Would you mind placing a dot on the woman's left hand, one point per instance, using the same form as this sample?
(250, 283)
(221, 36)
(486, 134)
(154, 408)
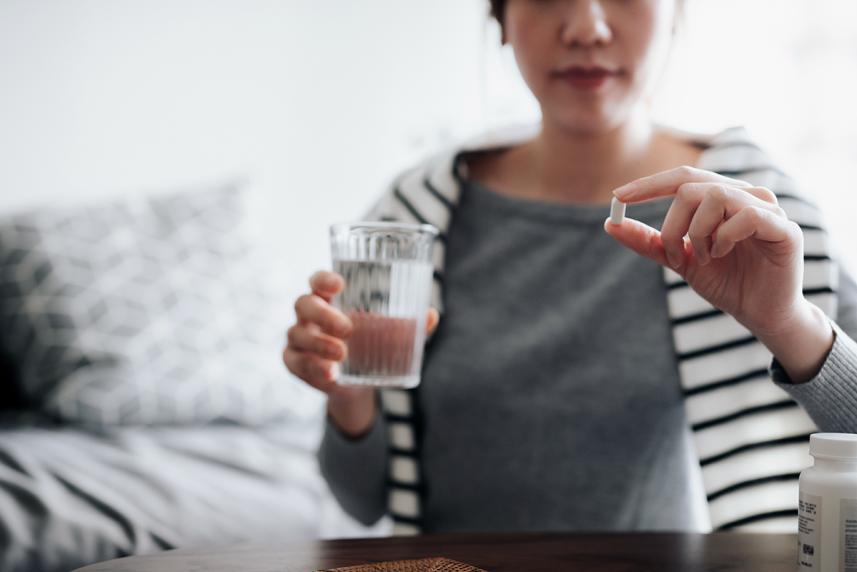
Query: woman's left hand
(742, 254)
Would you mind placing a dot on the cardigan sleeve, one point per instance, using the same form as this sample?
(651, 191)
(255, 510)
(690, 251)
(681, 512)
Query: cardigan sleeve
(356, 469)
(830, 398)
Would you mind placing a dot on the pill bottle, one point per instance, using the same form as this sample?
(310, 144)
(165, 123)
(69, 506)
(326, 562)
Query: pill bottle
(827, 508)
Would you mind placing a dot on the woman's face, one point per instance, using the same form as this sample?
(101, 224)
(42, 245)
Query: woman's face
(589, 62)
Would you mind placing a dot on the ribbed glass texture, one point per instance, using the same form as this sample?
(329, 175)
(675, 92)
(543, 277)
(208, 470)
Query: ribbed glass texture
(387, 269)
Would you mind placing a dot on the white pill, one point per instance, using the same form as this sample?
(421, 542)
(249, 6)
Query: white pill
(617, 211)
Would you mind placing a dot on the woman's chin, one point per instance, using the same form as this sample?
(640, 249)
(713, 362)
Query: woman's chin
(591, 123)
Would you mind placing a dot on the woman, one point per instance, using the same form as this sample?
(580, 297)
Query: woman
(572, 383)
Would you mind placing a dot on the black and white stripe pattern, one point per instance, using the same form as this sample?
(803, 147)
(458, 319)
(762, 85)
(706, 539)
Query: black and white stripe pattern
(750, 436)
(427, 194)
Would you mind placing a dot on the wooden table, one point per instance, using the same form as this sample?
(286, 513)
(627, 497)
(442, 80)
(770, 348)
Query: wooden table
(643, 552)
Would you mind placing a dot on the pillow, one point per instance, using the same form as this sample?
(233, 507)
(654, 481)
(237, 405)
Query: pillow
(148, 311)
(10, 398)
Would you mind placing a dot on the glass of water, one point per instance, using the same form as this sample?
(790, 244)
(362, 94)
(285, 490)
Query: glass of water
(387, 269)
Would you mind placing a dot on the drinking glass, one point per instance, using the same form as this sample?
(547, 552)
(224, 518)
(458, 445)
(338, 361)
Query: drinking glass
(387, 269)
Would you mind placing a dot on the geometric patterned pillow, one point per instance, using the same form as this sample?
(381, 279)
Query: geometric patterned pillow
(145, 311)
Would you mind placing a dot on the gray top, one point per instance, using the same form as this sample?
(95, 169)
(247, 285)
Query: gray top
(551, 397)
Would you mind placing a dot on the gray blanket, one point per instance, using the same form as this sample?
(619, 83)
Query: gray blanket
(69, 498)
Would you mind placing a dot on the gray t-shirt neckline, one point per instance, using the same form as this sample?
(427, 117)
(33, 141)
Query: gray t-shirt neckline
(557, 212)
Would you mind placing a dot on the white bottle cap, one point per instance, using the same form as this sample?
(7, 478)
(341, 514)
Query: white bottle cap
(834, 446)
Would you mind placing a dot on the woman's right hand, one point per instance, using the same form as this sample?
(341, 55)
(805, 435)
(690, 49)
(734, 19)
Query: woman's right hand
(315, 347)
(317, 344)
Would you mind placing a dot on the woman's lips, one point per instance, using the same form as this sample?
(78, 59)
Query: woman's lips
(586, 79)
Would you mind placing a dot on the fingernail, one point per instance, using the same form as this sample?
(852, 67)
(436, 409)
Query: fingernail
(335, 282)
(703, 257)
(333, 372)
(343, 328)
(674, 261)
(716, 250)
(333, 353)
(623, 192)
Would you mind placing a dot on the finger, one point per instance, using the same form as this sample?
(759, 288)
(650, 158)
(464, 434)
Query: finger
(696, 212)
(316, 372)
(432, 320)
(351, 391)
(667, 183)
(639, 237)
(681, 212)
(312, 309)
(326, 285)
(303, 339)
(756, 222)
(708, 216)
(764, 194)
(721, 203)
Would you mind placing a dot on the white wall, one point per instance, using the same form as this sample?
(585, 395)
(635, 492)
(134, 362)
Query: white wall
(318, 102)
(787, 69)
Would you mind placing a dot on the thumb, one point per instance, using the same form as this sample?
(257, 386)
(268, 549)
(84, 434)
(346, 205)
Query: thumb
(639, 237)
(432, 320)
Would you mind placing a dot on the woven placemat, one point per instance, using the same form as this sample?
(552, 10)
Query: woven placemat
(422, 565)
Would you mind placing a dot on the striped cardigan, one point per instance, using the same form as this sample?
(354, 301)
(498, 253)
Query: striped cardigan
(751, 437)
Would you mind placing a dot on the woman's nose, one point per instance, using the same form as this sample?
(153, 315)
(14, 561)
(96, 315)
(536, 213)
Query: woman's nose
(585, 23)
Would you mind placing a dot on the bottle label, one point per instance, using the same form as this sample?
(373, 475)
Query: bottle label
(848, 538)
(809, 532)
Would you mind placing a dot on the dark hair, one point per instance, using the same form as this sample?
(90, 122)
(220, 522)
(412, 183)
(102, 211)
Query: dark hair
(498, 8)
